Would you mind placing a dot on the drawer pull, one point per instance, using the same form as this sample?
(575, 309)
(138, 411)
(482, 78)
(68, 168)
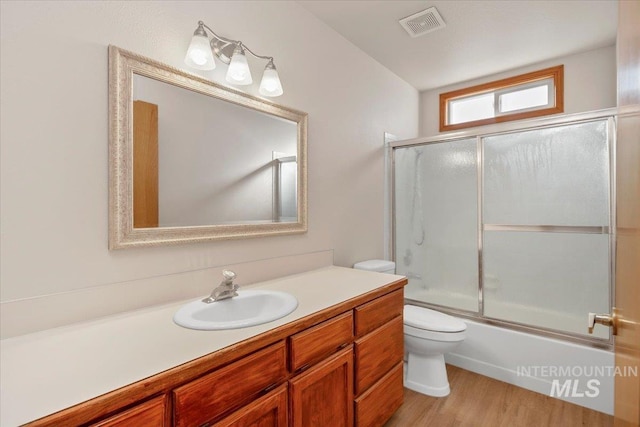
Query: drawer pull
(270, 387)
(303, 367)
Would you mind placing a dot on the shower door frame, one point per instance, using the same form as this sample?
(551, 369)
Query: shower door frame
(610, 115)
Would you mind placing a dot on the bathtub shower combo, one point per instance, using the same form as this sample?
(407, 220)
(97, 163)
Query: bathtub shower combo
(512, 228)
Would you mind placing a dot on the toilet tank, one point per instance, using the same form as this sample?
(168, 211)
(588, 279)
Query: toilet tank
(379, 265)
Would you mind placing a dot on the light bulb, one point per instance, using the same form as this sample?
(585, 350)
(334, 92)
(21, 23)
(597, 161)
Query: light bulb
(199, 55)
(238, 72)
(270, 84)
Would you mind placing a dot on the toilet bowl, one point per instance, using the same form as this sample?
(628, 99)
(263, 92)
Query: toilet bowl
(428, 335)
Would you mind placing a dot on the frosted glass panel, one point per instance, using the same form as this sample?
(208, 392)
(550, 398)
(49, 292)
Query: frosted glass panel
(555, 176)
(472, 108)
(525, 98)
(550, 280)
(436, 222)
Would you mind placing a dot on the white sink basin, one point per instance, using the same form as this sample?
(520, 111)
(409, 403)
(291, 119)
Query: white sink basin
(249, 308)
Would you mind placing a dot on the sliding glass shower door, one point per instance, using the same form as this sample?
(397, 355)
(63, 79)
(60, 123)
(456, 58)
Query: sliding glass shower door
(511, 226)
(436, 207)
(546, 224)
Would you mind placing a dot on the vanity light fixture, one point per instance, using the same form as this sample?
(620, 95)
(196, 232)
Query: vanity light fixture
(205, 44)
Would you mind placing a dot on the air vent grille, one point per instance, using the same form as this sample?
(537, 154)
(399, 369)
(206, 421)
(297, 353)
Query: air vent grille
(423, 22)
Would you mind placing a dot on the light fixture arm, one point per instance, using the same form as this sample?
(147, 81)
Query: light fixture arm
(222, 39)
(268, 58)
(236, 42)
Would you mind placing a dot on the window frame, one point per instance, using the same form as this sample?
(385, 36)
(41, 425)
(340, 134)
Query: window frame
(500, 87)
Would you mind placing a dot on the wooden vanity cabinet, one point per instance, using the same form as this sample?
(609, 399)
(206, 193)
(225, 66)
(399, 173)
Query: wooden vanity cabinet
(321, 390)
(376, 405)
(379, 350)
(315, 343)
(376, 313)
(271, 410)
(210, 397)
(149, 413)
(323, 395)
(339, 367)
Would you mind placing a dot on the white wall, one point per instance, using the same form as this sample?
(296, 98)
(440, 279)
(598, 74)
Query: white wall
(54, 135)
(589, 84)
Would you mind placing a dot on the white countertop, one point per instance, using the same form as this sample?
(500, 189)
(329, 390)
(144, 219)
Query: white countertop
(47, 371)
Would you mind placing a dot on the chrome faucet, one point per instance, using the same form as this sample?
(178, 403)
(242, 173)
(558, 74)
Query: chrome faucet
(226, 289)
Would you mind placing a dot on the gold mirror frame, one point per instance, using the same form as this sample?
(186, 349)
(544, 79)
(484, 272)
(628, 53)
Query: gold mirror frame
(122, 234)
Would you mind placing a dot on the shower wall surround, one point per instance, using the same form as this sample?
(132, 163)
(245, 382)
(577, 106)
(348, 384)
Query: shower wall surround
(512, 225)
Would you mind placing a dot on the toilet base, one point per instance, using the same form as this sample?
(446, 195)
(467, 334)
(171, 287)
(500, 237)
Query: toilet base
(427, 375)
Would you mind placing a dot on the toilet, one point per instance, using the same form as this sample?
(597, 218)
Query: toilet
(428, 335)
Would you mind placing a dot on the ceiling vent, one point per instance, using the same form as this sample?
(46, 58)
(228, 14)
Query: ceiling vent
(423, 22)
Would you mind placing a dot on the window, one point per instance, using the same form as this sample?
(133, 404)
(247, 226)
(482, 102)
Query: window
(535, 94)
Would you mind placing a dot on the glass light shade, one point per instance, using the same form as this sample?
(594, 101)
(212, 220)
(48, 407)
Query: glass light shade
(238, 72)
(270, 84)
(199, 55)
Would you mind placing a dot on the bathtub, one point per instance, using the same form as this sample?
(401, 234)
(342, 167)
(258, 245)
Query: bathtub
(576, 373)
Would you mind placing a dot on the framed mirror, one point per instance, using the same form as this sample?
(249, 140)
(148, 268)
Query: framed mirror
(191, 160)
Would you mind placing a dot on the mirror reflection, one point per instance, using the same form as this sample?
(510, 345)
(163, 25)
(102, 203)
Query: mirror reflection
(199, 160)
(193, 161)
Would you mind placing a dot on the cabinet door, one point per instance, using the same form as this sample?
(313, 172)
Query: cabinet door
(268, 411)
(323, 396)
(151, 413)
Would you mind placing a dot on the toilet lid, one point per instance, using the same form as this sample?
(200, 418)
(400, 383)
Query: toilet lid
(431, 320)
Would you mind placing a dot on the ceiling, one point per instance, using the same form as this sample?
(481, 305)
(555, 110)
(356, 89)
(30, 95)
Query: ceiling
(481, 37)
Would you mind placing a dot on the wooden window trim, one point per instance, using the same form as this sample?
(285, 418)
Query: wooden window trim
(556, 73)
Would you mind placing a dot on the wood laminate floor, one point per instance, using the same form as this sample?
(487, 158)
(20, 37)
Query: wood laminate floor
(479, 401)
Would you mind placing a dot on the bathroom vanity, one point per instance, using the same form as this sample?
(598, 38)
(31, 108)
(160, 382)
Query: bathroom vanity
(336, 360)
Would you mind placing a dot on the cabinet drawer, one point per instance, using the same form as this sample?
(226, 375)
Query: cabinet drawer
(228, 388)
(376, 313)
(268, 411)
(378, 352)
(320, 341)
(151, 413)
(377, 404)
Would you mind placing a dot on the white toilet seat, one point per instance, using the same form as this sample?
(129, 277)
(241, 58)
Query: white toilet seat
(433, 335)
(431, 320)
